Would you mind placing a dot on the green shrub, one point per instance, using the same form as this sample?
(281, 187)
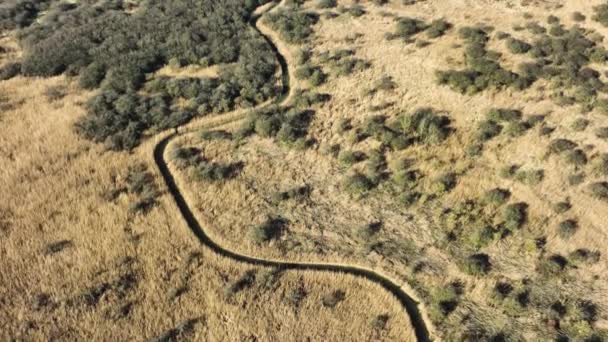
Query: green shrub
(349, 158)
(583, 255)
(515, 215)
(429, 127)
(379, 322)
(444, 300)
(407, 27)
(518, 46)
(561, 207)
(502, 114)
(216, 135)
(271, 229)
(578, 16)
(477, 264)
(576, 157)
(240, 284)
(294, 26)
(326, 3)
(516, 129)
(9, 70)
(444, 183)
(561, 145)
(602, 164)
(140, 182)
(602, 132)
(579, 125)
(368, 231)
(567, 228)
(601, 14)
(530, 177)
(599, 190)
(496, 196)
(438, 28)
(332, 299)
(488, 129)
(214, 172)
(358, 184)
(536, 28)
(551, 19)
(552, 265)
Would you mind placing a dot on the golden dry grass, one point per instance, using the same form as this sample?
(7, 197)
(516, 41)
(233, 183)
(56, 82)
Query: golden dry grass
(117, 277)
(324, 227)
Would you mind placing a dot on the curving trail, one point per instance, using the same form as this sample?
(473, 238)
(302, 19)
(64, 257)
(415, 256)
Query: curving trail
(410, 305)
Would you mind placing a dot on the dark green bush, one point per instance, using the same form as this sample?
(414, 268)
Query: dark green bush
(426, 125)
(351, 157)
(579, 124)
(477, 264)
(294, 26)
(578, 16)
(552, 265)
(599, 190)
(445, 183)
(501, 114)
(20, 13)
(67, 40)
(140, 182)
(408, 27)
(515, 215)
(271, 229)
(561, 207)
(332, 299)
(496, 196)
(488, 129)
(358, 184)
(601, 14)
(530, 177)
(438, 28)
(9, 71)
(576, 157)
(601, 132)
(216, 135)
(561, 145)
(326, 3)
(518, 46)
(213, 172)
(567, 228)
(581, 255)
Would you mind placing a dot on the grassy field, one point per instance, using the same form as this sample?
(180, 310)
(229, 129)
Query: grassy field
(495, 218)
(457, 147)
(80, 261)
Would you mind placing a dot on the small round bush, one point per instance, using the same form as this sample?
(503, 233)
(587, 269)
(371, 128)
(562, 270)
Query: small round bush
(561, 207)
(567, 228)
(478, 264)
(599, 190)
(518, 46)
(497, 196)
(326, 4)
(515, 215)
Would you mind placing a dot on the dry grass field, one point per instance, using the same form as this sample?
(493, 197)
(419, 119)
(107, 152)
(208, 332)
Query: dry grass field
(457, 147)
(552, 260)
(78, 262)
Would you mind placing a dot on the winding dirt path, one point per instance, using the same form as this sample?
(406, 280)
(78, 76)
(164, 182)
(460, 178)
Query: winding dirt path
(284, 97)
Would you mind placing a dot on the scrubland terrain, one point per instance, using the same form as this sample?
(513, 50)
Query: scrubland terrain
(458, 148)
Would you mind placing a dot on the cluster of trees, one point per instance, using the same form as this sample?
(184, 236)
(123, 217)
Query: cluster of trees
(20, 13)
(109, 48)
(294, 26)
(408, 27)
(483, 69)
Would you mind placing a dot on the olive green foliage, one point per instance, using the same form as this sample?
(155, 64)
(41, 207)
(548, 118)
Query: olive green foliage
(496, 196)
(518, 46)
(295, 26)
(326, 3)
(601, 14)
(332, 299)
(599, 190)
(16, 14)
(9, 70)
(358, 184)
(67, 39)
(187, 157)
(342, 62)
(483, 70)
(530, 177)
(515, 215)
(298, 194)
(408, 27)
(313, 74)
(477, 264)
(444, 300)
(567, 228)
(444, 183)
(561, 145)
(425, 125)
(140, 182)
(271, 229)
(288, 125)
(216, 135)
(552, 265)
